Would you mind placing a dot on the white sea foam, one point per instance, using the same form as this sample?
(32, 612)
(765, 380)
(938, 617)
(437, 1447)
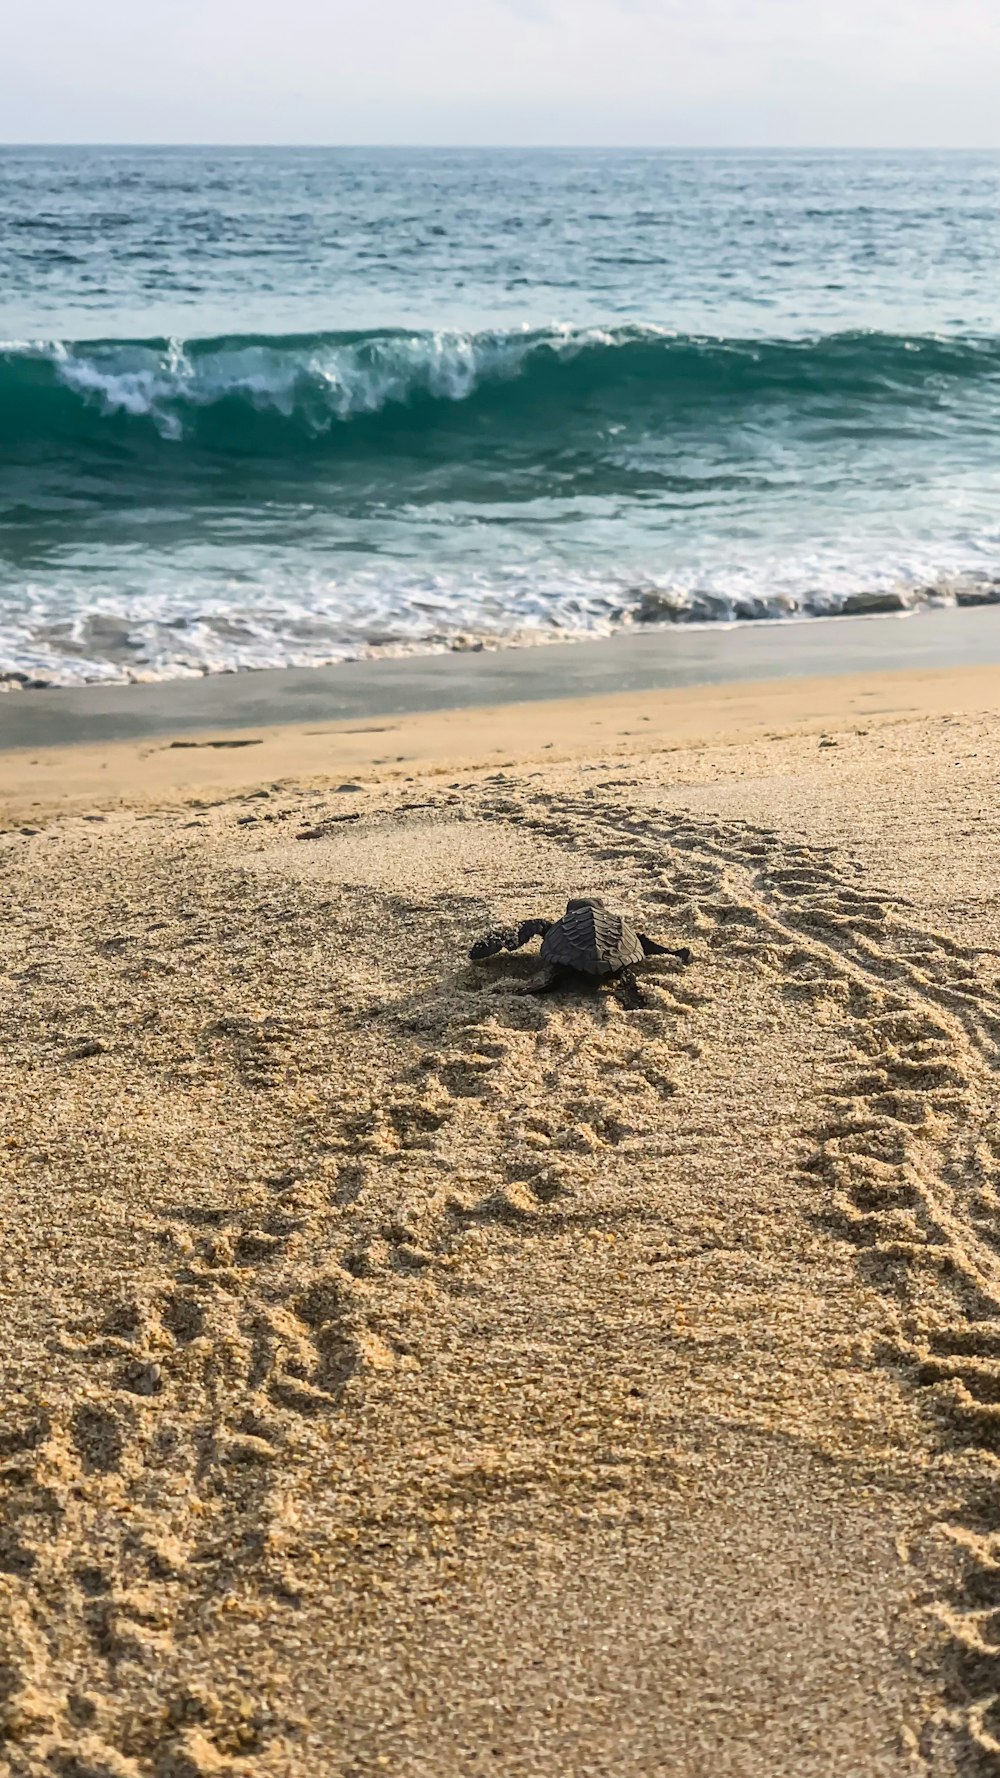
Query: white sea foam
(324, 379)
(165, 631)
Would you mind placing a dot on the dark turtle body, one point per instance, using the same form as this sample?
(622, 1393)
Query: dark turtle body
(589, 939)
(592, 940)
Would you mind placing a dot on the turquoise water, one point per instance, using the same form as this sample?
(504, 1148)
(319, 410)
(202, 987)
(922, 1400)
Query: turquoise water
(282, 406)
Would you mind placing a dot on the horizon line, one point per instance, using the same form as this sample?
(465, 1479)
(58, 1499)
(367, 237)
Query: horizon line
(534, 147)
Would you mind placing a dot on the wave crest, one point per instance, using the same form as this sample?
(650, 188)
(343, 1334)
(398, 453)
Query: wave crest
(231, 392)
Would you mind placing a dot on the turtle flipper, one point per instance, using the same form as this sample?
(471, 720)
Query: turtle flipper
(652, 949)
(528, 930)
(508, 938)
(628, 993)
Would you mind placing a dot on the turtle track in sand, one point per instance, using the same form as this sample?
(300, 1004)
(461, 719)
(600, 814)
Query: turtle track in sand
(143, 1496)
(907, 1160)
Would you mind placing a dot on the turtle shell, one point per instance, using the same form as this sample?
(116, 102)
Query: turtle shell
(593, 940)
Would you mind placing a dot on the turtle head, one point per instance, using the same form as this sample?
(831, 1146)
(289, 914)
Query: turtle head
(584, 901)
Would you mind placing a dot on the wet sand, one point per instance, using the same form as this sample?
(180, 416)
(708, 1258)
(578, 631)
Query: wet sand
(655, 658)
(407, 1375)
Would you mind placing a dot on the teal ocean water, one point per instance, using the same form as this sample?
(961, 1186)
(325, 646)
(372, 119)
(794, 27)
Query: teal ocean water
(266, 407)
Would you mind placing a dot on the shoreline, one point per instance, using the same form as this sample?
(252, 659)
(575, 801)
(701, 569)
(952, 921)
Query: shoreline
(638, 661)
(678, 727)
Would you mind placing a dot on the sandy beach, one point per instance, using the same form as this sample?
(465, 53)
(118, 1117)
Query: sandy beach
(407, 1375)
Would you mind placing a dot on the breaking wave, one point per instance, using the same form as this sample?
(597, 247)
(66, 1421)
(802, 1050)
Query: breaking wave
(257, 393)
(172, 507)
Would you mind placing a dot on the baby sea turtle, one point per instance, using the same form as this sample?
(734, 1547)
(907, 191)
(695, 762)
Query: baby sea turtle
(588, 940)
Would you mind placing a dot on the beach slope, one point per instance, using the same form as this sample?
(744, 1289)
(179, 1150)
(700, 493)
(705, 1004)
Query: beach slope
(406, 1375)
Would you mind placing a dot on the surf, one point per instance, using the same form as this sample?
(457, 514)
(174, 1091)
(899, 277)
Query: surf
(334, 392)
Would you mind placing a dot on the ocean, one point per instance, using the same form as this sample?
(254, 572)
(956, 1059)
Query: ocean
(264, 407)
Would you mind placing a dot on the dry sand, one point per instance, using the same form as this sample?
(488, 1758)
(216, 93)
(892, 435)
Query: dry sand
(404, 1375)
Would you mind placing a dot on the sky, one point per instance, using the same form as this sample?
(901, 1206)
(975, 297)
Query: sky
(851, 73)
